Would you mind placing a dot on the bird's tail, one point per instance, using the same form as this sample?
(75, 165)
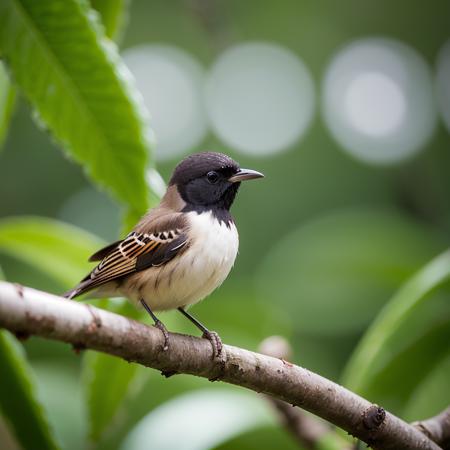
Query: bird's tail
(70, 294)
(81, 288)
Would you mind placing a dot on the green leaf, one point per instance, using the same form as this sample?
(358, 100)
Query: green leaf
(106, 379)
(61, 251)
(114, 15)
(59, 387)
(18, 398)
(57, 249)
(334, 274)
(275, 436)
(7, 102)
(81, 90)
(432, 395)
(407, 339)
(411, 359)
(204, 418)
(107, 382)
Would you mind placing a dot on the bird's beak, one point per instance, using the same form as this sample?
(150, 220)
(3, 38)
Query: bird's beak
(245, 174)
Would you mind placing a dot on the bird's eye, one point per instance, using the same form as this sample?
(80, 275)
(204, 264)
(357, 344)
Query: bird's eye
(212, 177)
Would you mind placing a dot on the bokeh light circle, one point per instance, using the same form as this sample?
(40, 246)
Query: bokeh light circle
(378, 100)
(443, 83)
(375, 89)
(171, 82)
(260, 98)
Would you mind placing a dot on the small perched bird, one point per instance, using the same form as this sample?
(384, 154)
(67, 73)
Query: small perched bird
(181, 250)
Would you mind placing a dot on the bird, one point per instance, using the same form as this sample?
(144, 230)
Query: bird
(181, 250)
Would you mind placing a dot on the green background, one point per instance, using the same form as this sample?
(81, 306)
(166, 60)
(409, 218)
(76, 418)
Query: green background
(326, 240)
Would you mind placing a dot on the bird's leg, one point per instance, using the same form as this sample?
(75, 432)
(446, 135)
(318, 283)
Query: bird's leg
(212, 336)
(158, 324)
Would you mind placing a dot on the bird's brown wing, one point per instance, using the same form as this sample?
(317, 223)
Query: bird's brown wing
(104, 252)
(138, 251)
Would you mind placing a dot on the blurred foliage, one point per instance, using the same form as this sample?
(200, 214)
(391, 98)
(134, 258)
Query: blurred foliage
(7, 101)
(19, 403)
(58, 383)
(107, 380)
(332, 250)
(205, 418)
(39, 242)
(346, 264)
(427, 398)
(18, 398)
(110, 142)
(389, 351)
(114, 15)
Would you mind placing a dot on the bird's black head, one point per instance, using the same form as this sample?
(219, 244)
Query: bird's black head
(209, 181)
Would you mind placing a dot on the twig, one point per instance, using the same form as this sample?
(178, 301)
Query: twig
(310, 432)
(437, 428)
(34, 312)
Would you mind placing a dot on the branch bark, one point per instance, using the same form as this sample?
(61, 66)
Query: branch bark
(437, 428)
(310, 432)
(26, 311)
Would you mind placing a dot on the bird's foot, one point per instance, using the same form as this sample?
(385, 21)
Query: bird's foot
(158, 324)
(216, 342)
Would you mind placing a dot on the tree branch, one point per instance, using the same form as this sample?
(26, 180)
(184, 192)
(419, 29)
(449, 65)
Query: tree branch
(437, 428)
(310, 432)
(30, 312)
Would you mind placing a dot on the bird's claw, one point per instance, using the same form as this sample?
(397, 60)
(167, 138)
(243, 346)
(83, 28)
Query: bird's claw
(216, 342)
(162, 327)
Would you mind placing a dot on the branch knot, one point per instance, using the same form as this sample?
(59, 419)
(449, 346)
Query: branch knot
(373, 417)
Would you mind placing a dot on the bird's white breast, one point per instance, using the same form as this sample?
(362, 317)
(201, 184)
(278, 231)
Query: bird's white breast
(214, 248)
(196, 272)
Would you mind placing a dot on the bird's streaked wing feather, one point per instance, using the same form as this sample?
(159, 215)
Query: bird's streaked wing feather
(104, 252)
(138, 251)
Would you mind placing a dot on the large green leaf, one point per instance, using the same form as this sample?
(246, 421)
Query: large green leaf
(408, 338)
(410, 362)
(7, 100)
(61, 251)
(205, 418)
(58, 383)
(114, 15)
(18, 398)
(58, 249)
(72, 74)
(432, 395)
(333, 274)
(107, 382)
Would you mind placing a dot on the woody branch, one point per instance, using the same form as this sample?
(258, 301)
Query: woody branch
(26, 311)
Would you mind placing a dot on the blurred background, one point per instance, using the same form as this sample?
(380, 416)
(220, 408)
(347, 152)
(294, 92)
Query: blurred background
(345, 107)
